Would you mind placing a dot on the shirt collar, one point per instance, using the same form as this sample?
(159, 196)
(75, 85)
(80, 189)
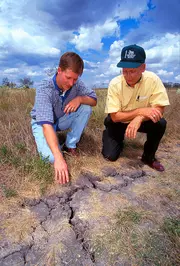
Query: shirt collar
(141, 78)
(55, 84)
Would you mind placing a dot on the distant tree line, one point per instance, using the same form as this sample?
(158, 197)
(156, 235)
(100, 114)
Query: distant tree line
(170, 85)
(25, 83)
(7, 83)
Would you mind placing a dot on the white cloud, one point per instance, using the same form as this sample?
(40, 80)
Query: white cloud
(23, 70)
(113, 69)
(115, 50)
(110, 64)
(164, 50)
(162, 54)
(33, 73)
(91, 38)
(25, 29)
(30, 27)
(17, 40)
(92, 64)
(100, 76)
(177, 78)
(11, 70)
(164, 73)
(108, 68)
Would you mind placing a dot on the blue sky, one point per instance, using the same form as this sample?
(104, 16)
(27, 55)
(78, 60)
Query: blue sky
(35, 33)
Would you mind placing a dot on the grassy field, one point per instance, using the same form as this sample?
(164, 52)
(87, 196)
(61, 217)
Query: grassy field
(19, 162)
(24, 174)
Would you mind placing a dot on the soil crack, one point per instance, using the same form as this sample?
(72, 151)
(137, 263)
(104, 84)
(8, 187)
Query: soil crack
(53, 212)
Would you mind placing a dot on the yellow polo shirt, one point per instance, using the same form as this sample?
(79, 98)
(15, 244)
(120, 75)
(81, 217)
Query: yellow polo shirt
(148, 92)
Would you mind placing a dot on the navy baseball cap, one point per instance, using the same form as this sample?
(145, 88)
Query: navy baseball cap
(132, 56)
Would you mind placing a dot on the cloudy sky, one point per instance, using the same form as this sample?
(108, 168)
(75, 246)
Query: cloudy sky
(34, 34)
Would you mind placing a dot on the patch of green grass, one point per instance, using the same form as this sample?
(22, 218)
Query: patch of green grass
(159, 249)
(129, 216)
(127, 238)
(7, 156)
(9, 192)
(122, 238)
(43, 188)
(4, 150)
(35, 167)
(39, 169)
(171, 227)
(21, 146)
(98, 115)
(135, 143)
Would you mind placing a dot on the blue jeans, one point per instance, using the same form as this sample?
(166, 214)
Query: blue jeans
(75, 121)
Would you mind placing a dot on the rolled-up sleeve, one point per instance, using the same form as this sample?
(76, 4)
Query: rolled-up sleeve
(43, 105)
(159, 95)
(82, 90)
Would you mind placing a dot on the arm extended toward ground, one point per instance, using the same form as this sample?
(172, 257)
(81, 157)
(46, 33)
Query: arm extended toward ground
(60, 166)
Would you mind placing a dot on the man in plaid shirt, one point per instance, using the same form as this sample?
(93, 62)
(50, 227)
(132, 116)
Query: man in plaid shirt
(61, 103)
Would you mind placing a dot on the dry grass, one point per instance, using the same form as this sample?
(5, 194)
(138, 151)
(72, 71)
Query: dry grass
(134, 237)
(18, 156)
(172, 115)
(20, 231)
(25, 175)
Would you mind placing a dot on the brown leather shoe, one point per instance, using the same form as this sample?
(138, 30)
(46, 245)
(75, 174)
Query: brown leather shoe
(70, 151)
(155, 164)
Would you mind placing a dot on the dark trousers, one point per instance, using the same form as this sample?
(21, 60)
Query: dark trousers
(113, 137)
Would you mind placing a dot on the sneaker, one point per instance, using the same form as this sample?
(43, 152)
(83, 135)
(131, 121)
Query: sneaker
(155, 164)
(70, 151)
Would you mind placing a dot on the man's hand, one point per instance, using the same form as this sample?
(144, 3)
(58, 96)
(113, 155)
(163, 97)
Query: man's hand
(73, 105)
(60, 166)
(133, 127)
(61, 171)
(152, 113)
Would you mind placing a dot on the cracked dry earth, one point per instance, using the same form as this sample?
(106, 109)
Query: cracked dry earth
(59, 229)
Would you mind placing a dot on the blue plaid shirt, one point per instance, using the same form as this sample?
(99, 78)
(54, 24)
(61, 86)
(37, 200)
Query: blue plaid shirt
(50, 101)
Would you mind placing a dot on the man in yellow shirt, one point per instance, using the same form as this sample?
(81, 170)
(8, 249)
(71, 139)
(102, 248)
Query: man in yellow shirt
(135, 102)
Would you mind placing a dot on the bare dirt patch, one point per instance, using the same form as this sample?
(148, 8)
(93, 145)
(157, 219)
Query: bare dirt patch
(110, 214)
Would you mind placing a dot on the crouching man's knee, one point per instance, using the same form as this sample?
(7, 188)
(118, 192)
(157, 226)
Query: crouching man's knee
(47, 157)
(87, 109)
(160, 126)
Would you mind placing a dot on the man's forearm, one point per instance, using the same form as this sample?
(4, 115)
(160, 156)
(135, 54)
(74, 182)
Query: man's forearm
(124, 116)
(88, 100)
(52, 140)
(146, 113)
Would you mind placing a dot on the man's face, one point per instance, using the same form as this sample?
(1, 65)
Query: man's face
(66, 79)
(133, 75)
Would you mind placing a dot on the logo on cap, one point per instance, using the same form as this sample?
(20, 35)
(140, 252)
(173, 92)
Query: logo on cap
(129, 54)
(132, 56)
